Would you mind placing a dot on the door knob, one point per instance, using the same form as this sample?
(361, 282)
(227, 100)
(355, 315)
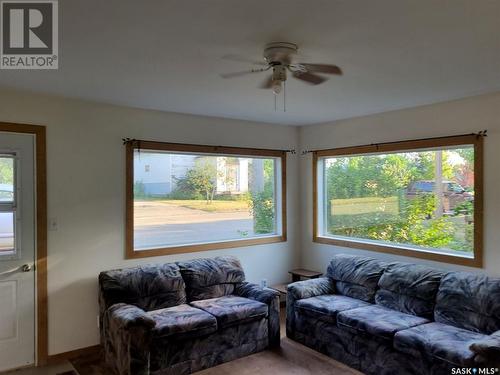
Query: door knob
(26, 267)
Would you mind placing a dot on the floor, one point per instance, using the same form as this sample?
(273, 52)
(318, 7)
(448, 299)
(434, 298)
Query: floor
(64, 368)
(290, 359)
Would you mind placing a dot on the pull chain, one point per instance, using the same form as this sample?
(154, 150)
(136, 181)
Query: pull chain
(284, 96)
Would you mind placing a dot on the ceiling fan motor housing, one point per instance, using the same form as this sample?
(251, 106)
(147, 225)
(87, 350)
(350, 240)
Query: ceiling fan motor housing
(279, 73)
(280, 53)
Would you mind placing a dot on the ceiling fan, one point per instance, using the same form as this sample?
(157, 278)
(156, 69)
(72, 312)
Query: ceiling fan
(278, 57)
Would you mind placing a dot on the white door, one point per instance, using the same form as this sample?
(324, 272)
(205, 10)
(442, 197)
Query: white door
(17, 251)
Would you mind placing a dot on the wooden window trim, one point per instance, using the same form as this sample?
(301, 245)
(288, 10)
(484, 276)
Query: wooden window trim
(130, 253)
(475, 140)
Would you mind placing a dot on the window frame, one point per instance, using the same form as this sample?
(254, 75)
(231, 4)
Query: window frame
(133, 145)
(475, 140)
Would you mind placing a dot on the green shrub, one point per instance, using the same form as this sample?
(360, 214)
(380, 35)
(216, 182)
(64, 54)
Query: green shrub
(179, 194)
(139, 190)
(262, 209)
(413, 226)
(466, 207)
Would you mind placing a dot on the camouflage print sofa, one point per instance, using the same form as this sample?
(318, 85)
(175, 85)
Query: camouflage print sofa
(398, 318)
(177, 318)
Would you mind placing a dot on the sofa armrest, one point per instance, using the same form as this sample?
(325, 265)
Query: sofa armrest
(272, 299)
(310, 288)
(129, 316)
(256, 292)
(487, 350)
(127, 335)
(304, 289)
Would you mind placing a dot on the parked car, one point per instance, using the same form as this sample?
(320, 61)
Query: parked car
(6, 222)
(453, 193)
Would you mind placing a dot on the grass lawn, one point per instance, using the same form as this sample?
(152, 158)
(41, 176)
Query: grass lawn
(355, 206)
(214, 206)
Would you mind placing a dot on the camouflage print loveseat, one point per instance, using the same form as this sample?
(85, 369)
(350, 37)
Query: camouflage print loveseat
(177, 318)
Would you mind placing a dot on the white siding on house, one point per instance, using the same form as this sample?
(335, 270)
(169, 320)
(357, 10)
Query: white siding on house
(152, 171)
(157, 172)
(243, 175)
(232, 175)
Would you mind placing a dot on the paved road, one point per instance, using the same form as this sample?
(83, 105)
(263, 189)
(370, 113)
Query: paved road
(158, 224)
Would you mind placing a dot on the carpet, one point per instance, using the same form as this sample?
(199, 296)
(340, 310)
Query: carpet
(290, 359)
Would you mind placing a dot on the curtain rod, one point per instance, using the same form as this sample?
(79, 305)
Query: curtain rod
(138, 143)
(481, 133)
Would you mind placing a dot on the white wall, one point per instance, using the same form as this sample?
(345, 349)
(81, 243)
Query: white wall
(86, 193)
(456, 117)
(86, 187)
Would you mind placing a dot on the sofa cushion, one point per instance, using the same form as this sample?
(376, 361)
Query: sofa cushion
(409, 288)
(150, 287)
(378, 321)
(356, 277)
(182, 322)
(326, 307)
(440, 341)
(211, 277)
(229, 310)
(478, 299)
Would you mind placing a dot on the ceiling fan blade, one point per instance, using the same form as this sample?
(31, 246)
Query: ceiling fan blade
(310, 78)
(322, 68)
(243, 73)
(267, 83)
(244, 60)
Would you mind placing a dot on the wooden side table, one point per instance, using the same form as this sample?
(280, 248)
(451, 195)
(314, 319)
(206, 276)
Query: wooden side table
(281, 288)
(300, 273)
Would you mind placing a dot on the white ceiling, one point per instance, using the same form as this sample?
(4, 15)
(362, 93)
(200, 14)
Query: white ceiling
(166, 55)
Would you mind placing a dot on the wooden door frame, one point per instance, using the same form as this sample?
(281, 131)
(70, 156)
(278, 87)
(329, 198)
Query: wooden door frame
(41, 325)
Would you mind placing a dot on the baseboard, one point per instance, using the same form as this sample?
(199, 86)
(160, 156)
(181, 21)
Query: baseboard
(60, 357)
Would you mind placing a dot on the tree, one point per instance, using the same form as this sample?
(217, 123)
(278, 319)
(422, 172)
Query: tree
(6, 170)
(202, 178)
(364, 183)
(261, 203)
(464, 173)
(376, 175)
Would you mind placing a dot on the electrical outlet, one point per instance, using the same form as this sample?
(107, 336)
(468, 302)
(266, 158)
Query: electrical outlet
(263, 283)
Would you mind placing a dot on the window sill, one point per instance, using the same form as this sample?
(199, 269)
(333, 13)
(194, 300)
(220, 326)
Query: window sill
(464, 260)
(134, 254)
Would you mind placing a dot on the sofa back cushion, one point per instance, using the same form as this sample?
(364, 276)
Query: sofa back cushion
(355, 277)
(211, 277)
(469, 301)
(150, 287)
(409, 288)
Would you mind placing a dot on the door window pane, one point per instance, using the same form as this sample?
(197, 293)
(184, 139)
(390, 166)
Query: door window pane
(7, 205)
(6, 232)
(6, 179)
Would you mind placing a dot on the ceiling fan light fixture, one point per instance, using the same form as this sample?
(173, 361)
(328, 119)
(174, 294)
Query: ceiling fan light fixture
(276, 87)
